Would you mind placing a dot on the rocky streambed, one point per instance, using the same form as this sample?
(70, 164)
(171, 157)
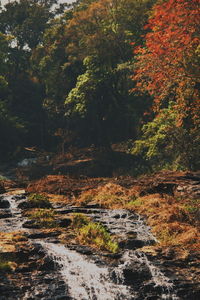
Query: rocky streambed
(46, 268)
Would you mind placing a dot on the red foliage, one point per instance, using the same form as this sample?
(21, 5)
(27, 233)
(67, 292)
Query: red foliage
(168, 67)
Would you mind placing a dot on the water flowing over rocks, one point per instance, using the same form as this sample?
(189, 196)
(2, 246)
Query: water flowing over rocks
(47, 269)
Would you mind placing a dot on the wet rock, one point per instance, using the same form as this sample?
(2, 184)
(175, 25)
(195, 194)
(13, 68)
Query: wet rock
(41, 234)
(64, 222)
(64, 297)
(136, 273)
(120, 216)
(132, 244)
(82, 249)
(112, 255)
(93, 205)
(23, 205)
(30, 224)
(4, 203)
(19, 197)
(5, 214)
(47, 264)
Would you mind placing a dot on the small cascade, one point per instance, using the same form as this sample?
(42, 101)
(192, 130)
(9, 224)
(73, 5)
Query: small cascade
(13, 217)
(122, 222)
(160, 280)
(92, 277)
(86, 279)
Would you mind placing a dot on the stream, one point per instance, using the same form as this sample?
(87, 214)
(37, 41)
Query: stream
(81, 274)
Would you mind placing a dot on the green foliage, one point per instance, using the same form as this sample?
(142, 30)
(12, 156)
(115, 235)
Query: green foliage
(5, 266)
(26, 20)
(165, 144)
(38, 201)
(191, 209)
(44, 218)
(67, 77)
(79, 220)
(136, 202)
(93, 234)
(96, 234)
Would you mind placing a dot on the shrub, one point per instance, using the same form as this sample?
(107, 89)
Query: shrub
(38, 201)
(44, 218)
(5, 266)
(79, 220)
(95, 234)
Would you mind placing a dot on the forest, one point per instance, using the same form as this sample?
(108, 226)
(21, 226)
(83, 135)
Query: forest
(101, 73)
(100, 150)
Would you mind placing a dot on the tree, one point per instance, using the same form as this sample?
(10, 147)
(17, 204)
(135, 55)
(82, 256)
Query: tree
(26, 22)
(10, 126)
(101, 36)
(168, 65)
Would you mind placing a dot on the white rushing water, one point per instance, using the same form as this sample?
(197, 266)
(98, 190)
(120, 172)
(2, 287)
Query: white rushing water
(85, 279)
(160, 280)
(121, 221)
(15, 221)
(84, 276)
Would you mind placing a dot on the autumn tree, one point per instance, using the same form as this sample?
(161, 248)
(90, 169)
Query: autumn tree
(167, 67)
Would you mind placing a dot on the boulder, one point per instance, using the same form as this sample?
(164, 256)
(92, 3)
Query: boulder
(4, 203)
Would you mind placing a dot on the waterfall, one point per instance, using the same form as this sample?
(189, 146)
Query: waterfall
(85, 279)
(90, 277)
(15, 220)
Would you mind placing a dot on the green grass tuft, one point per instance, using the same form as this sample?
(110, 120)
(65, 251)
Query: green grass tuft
(94, 234)
(45, 218)
(38, 201)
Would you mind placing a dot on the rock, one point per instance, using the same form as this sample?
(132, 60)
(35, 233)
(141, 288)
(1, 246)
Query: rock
(112, 255)
(137, 273)
(132, 244)
(82, 249)
(30, 224)
(47, 264)
(120, 216)
(93, 205)
(41, 234)
(63, 297)
(19, 197)
(4, 203)
(64, 222)
(23, 205)
(5, 214)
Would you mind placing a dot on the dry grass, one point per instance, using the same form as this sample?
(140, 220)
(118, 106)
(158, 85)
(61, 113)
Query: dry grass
(110, 196)
(172, 220)
(9, 241)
